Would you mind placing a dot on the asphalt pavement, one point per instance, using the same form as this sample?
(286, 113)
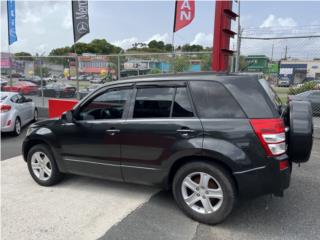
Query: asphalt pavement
(87, 208)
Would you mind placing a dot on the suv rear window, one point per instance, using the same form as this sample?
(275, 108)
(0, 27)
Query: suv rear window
(272, 95)
(212, 100)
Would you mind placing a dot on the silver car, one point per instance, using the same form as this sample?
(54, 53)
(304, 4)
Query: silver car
(16, 111)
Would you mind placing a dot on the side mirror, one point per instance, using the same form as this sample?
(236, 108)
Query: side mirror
(67, 116)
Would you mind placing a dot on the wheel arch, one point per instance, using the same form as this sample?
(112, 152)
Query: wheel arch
(188, 159)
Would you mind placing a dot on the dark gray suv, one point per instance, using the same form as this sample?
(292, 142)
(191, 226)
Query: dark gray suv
(211, 138)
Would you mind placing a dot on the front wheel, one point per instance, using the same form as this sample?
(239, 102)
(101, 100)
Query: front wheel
(42, 166)
(204, 191)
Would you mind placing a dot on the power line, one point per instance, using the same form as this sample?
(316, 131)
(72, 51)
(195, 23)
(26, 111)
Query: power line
(275, 38)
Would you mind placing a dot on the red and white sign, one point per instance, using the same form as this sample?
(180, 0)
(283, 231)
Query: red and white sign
(184, 14)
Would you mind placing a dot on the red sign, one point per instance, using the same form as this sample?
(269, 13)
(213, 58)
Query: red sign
(184, 14)
(59, 106)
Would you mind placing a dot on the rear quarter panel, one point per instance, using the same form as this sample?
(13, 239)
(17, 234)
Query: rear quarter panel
(233, 142)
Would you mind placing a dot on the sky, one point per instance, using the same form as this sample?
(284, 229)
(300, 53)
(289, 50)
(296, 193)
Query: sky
(44, 25)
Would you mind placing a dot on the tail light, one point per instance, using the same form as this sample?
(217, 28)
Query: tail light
(5, 108)
(271, 133)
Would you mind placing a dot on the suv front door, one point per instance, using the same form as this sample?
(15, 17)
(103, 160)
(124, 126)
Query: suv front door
(91, 144)
(161, 125)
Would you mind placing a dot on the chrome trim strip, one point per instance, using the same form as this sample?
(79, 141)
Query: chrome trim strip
(161, 119)
(250, 170)
(110, 164)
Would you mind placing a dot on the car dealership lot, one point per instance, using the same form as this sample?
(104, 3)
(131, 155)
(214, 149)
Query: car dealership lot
(85, 208)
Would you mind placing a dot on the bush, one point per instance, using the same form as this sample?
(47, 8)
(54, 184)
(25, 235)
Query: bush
(155, 71)
(305, 87)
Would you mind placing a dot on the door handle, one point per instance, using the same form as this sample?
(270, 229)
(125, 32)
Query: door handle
(185, 131)
(112, 131)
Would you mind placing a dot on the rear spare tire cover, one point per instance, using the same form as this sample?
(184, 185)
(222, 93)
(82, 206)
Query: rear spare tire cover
(301, 131)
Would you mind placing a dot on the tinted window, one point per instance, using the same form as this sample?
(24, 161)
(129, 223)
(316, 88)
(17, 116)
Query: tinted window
(272, 94)
(182, 106)
(212, 100)
(109, 105)
(14, 98)
(153, 103)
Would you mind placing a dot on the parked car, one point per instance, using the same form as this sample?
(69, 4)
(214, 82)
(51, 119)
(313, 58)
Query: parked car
(3, 82)
(284, 82)
(35, 80)
(16, 111)
(91, 88)
(210, 138)
(312, 96)
(23, 87)
(98, 80)
(58, 90)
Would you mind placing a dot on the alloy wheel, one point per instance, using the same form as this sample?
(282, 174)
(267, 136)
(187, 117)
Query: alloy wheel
(17, 127)
(202, 192)
(41, 166)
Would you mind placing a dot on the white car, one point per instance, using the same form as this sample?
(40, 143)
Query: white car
(16, 111)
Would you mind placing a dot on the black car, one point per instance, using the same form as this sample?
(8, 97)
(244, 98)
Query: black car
(210, 138)
(58, 90)
(312, 96)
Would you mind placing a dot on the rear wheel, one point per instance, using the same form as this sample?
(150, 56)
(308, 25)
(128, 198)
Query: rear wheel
(204, 191)
(42, 166)
(17, 127)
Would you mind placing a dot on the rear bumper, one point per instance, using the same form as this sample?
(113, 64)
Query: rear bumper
(264, 180)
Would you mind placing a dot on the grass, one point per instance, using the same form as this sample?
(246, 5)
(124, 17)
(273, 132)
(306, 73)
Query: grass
(281, 90)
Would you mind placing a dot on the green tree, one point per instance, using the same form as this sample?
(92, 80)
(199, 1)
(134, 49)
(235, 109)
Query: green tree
(22, 54)
(191, 48)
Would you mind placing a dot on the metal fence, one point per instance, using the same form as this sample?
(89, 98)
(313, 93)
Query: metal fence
(291, 64)
(74, 77)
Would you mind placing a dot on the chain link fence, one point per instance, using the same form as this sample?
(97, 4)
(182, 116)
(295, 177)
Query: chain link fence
(291, 65)
(73, 77)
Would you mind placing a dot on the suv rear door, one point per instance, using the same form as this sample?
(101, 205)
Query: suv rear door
(161, 125)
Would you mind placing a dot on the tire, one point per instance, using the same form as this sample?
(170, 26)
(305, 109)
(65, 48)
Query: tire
(222, 186)
(300, 139)
(35, 115)
(42, 166)
(17, 127)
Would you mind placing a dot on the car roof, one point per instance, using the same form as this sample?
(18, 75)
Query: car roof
(207, 76)
(9, 94)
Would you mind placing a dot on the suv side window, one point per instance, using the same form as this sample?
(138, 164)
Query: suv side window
(182, 105)
(109, 105)
(212, 100)
(153, 102)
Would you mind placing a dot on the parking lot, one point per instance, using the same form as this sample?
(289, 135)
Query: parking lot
(85, 208)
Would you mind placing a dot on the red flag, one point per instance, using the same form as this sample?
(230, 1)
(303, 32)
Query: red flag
(184, 14)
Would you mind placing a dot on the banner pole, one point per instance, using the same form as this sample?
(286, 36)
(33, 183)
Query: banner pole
(173, 54)
(10, 60)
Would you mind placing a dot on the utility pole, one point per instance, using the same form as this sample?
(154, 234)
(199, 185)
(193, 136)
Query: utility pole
(285, 53)
(238, 41)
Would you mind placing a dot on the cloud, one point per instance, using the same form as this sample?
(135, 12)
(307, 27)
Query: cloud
(30, 18)
(272, 21)
(126, 43)
(158, 37)
(203, 39)
(67, 21)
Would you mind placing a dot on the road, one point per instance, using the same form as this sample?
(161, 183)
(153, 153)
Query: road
(86, 208)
